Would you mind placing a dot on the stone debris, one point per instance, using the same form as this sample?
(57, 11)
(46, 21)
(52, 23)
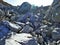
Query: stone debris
(30, 25)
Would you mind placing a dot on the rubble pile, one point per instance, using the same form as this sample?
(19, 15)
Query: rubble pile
(42, 24)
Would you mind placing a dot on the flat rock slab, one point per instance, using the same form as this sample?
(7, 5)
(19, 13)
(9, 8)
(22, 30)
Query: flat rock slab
(21, 39)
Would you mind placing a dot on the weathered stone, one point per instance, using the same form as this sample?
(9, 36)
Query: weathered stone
(27, 29)
(56, 34)
(20, 39)
(24, 8)
(14, 27)
(22, 18)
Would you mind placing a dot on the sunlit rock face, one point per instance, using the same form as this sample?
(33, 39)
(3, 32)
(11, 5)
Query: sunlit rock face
(21, 39)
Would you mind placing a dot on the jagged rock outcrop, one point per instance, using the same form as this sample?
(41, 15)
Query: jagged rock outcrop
(53, 12)
(5, 3)
(24, 8)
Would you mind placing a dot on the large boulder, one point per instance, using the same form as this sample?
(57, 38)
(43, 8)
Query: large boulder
(56, 34)
(4, 33)
(25, 7)
(22, 18)
(27, 29)
(14, 27)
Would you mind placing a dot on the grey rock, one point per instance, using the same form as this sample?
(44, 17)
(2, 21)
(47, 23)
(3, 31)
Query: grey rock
(40, 40)
(32, 42)
(21, 39)
(14, 27)
(2, 13)
(21, 24)
(27, 29)
(24, 8)
(22, 18)
(56, 34)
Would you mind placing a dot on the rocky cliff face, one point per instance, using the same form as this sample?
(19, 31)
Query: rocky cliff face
(5, 3)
